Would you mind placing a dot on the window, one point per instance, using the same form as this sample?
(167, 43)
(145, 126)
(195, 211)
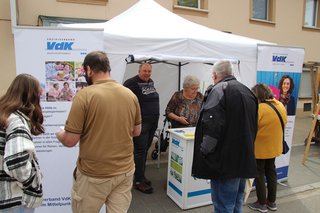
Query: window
(192, 4)
(97, 2)
(189, 3)
(260, 9)
(263, 10)
(311, 16)
(53, 21)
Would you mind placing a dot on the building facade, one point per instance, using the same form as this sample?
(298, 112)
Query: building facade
(287, 22)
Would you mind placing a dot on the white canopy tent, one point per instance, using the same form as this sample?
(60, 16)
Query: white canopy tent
(151, 30)
(147, 30)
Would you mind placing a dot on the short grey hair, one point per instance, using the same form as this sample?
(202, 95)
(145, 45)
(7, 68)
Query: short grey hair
(143, 64)
(190, 80)
(222, 68)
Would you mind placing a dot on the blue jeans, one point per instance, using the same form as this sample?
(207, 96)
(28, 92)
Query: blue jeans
(227, 194)
(142, 144)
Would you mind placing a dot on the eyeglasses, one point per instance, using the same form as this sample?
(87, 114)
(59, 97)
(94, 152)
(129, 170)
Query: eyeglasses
(192, 88)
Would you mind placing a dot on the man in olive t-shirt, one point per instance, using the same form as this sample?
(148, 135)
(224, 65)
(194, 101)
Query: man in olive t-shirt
(104, 116)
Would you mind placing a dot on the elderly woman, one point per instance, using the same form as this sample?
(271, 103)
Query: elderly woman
(268, 146)
(184, 106)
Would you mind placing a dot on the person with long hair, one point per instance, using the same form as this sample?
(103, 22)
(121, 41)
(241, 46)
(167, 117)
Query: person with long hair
(286, 86)
(20, 117)
(268, 146)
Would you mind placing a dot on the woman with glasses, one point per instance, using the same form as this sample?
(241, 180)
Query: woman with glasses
(184, 106)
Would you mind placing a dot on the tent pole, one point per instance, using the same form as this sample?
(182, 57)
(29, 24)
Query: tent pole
(179, 78)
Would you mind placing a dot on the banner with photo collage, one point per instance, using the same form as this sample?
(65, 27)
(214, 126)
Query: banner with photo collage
(280, 68)
(55, 58)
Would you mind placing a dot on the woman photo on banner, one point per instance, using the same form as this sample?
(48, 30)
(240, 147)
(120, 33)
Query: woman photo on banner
(286, 87)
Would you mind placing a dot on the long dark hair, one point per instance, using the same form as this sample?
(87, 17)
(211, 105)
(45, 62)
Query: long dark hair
(23, 95)
(291, 83)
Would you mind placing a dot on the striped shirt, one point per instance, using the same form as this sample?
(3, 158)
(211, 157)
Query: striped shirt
(20, 176)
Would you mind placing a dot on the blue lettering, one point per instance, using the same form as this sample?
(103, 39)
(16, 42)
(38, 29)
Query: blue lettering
(68, 46)
(279, 58)
(59, 46)
(50, 45)
(66, 198)
(175, 142)
(274, 58)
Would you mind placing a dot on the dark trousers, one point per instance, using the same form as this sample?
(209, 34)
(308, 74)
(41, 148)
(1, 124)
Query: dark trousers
(266, 168)
(142, 144)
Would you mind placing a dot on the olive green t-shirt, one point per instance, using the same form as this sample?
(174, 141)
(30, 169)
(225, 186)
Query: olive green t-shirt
(104, 114)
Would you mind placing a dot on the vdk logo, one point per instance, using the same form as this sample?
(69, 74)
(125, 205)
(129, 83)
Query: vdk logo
(175, 142)
(276, 58)
(59, 45)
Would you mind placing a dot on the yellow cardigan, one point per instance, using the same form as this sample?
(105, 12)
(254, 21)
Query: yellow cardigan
(268, 142)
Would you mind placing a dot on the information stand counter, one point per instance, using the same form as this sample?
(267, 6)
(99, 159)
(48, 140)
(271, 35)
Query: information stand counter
(186, 191)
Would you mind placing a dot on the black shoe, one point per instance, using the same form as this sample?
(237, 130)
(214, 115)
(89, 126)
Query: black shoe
(272, 206)
(148, 182)
(143, 187)
(258, 207)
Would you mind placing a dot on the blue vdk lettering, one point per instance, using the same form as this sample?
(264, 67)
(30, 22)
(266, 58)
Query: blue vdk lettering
(59, 46)
(68, 45)
(50, 45)
(279, 58)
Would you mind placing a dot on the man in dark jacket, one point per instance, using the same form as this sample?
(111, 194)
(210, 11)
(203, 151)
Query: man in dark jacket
(143, 87)
(224, 139)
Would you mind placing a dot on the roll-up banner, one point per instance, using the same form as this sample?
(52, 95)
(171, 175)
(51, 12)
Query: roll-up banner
(55, 58)
(280, 68)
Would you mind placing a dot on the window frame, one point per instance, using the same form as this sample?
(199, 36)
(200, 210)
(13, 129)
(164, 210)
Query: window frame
(54, 21)
(94, 2)
(198, 4)
(316, 15)
(265, 12)
(270, 12)
(202, 6)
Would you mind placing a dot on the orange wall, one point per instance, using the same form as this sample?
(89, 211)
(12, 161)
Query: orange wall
(221, 15)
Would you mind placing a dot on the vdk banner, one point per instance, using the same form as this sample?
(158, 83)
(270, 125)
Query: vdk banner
(55, 58)
(280, 68)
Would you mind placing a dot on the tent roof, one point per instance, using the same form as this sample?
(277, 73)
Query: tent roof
(148, 28)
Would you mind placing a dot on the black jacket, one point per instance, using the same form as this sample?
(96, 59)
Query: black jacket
(225, 132)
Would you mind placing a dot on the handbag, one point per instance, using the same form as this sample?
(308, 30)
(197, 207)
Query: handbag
(284, 143)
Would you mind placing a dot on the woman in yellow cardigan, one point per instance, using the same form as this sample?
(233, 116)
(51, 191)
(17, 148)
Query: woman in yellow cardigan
(268, 146)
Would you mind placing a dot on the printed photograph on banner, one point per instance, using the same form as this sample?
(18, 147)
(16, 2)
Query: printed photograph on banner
(60, 91)
(59, 70)
(42, 94)
(63, 80)
(284, 85)
(79, 72)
